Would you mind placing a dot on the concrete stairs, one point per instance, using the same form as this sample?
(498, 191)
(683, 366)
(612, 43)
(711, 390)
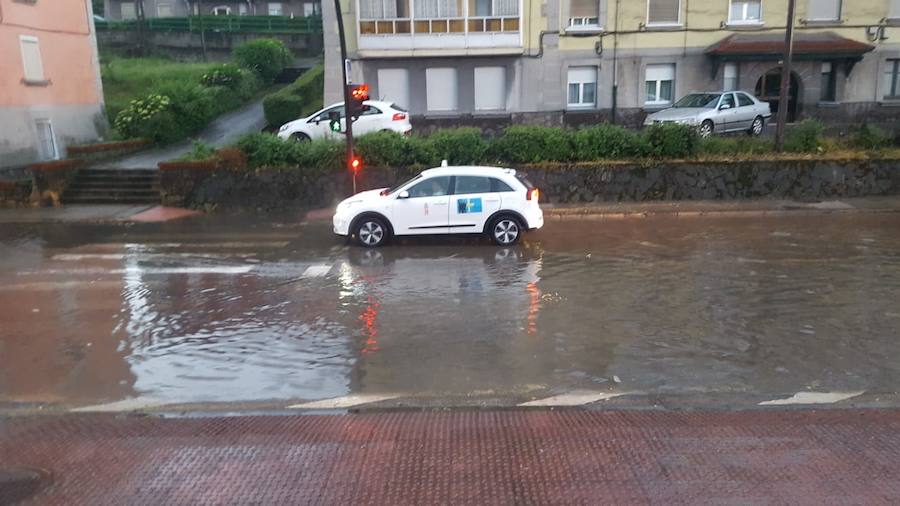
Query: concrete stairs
(114, 186)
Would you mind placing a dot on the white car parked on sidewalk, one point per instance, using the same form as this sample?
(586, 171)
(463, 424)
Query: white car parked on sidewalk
(448, 200)
(376, 116)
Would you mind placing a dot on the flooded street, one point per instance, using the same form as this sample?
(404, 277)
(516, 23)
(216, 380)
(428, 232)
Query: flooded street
(218, 310)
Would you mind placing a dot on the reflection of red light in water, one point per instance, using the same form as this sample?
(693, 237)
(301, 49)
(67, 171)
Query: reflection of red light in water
(369, 317)
(533, 307)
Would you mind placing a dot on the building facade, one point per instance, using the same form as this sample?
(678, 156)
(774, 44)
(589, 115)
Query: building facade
(126, 10)
(50, 89)
(572, 61)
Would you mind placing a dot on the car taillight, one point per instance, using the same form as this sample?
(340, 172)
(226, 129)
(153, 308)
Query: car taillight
(533, 194)
(399, 116)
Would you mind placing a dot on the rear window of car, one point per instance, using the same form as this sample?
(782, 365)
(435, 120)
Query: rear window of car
(524, 180)
(744, 100)
(397, 108)
(499, 186)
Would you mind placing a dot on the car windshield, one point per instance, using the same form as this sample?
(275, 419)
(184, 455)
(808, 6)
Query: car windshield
(401, 185)
(707, 100)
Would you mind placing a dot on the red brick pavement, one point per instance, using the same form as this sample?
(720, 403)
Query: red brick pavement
(501, 457)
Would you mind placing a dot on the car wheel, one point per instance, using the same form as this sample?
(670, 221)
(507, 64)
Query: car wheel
(371, 232)
(706, 129)
(300, 137)
(756, 129)
(505, 231)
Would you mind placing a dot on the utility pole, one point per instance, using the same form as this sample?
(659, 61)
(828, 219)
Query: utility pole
(785, 78)
(348, 120)
(142, 38)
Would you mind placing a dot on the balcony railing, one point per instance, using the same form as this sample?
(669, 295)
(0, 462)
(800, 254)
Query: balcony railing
(458, 25)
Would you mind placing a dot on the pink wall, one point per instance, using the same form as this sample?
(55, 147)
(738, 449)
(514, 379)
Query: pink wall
(67, 48)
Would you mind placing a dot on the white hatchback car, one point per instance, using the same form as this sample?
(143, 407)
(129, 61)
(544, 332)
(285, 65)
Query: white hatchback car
(447, 200)
(376, 116)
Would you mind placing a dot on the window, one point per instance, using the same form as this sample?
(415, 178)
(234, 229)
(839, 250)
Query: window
(222, 10)
(894, 12)
(500, 186)
(745, 12)
(744, 100)
(582, 87)
(663, 12)
(164, 10)
(490, 83)
(891, 84)
(824, 10)
(584, 13)
(727, 101)
(242, 9)
(485, 8)
(730, 77)
(324, 115)
(472, 184)
(311, 9)
(275, 9)
(436, 9)
(31, 59)
(393, 86)
(368, 110)
(46, 140)
(440, 89)
(660, 84)
(829, 82)
(433, 187)
(127, 10)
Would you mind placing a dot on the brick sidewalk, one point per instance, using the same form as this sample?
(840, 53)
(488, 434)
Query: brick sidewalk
(505, 457)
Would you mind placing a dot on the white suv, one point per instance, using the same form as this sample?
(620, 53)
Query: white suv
(447, 200)
(376, 116)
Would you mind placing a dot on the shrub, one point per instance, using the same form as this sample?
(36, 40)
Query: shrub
(224, 74)
(870, 137)
(385, 149)
(607, 141)
(296, 100)
(459, 146)
(805, 137)
(199, 151)
(266, 150)
(669, 140)
(192, 104)
(531, 144)
(131, 121)
(266, 57)
(281, 108)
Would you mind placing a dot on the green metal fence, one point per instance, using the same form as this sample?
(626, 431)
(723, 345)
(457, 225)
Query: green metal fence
(233, 24)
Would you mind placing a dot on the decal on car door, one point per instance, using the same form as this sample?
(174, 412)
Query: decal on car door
(467, 206)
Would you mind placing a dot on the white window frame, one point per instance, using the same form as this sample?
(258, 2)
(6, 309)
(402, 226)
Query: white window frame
(280, 8)
(658, 102)
(581, 104)
(664, 24)
(726, 77)
(840, 12)
(745, 21)
(159, 12)
(590, 23)
(37, 74)
(55, 154)
(215, 10)
(133, 10)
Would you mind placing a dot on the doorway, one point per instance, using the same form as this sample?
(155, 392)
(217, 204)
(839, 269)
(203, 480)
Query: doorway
(768, 89)
(47, 149)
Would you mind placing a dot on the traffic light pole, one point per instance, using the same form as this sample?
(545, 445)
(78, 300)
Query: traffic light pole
(348, 119)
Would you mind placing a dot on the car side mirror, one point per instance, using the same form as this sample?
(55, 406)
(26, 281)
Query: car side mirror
(724, 106)
(403, 195)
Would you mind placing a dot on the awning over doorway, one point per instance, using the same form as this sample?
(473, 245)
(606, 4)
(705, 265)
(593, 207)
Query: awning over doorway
(825, 46)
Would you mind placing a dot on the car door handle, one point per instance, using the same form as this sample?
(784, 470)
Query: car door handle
(439, 204)
(492, 200)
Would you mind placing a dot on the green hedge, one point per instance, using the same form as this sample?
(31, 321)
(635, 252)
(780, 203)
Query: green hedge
(266, 57)
(296, 100)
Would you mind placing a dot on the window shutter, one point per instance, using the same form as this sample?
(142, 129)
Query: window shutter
(440, 89)
(491, 85)
(826, 10)
(661, 72)
(393, 86)
(663, 11)
(31, 59)
(895, 9)
(584, 9)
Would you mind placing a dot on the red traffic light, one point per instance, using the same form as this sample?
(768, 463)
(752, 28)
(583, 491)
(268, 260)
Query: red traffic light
(359, 92)
(356, 163)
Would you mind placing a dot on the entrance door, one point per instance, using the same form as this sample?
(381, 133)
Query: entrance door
(46, 140)
(768, 89)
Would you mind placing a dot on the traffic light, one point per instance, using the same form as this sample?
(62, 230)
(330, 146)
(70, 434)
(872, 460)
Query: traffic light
(359, 93)
(334, 121)
(355, 163)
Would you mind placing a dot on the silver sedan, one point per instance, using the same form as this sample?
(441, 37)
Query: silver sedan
(732, 111)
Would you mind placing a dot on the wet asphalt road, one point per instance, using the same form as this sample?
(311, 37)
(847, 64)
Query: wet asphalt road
(228, 310)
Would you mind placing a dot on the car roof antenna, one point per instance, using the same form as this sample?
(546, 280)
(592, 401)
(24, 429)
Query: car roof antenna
(443, 163)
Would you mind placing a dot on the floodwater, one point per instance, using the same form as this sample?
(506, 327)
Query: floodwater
(193, 312)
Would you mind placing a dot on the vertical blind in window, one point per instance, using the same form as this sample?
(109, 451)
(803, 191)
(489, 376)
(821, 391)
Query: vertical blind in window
(436, 9)
(663, 11)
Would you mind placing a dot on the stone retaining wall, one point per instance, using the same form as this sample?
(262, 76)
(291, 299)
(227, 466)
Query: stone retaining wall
(272, 189)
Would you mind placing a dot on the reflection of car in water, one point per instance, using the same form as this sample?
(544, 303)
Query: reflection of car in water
(449, 200)
(428, 315)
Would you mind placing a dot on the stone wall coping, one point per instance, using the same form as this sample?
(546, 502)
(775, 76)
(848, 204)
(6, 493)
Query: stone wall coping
(108, 146)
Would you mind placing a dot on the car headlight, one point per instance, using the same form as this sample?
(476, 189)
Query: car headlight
(284, 127)
(345, 205)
